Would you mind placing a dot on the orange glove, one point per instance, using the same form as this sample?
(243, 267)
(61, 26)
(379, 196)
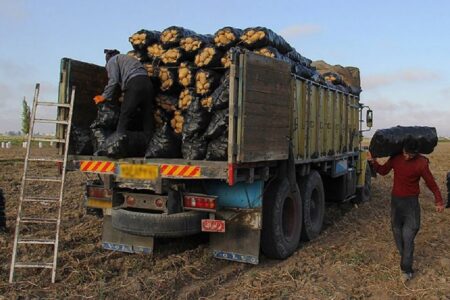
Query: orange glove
(99, 99)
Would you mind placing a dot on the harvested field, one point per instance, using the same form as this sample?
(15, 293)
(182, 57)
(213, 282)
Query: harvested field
(355, 256)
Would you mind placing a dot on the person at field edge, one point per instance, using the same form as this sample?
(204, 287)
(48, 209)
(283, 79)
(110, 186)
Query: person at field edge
(130, 75)
(408, 167)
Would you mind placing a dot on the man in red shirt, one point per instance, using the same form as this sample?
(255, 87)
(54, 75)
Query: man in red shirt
(408, 168)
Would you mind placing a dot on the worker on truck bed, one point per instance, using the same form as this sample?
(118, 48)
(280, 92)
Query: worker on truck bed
(408, 168)
(130, 75)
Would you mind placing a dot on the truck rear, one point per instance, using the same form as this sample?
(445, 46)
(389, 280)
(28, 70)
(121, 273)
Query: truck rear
(292, 144)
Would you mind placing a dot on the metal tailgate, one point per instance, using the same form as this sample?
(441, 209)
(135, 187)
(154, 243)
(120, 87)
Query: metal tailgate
(264, 109)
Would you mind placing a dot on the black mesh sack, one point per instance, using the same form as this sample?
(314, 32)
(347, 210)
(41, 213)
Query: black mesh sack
(193, 43)
(80, 141)
(209, 57)
(221, 95)
(186, 74)
(140, 55)
(171, 36)
(164, 144)
(389, 142)
(168, 77)
(196, 120)
(108, 114)
(218, 124)
(302, 71)
(258, 37)
(227, 37)
(131, 144)
(218, 148)
(194, 148)
(99, 139)
(298, 58)
(206, 81)
(167, 102)
(174, 56)
(143, 38)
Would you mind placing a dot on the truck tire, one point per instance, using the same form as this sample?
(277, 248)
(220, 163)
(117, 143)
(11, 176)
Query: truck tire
(364, 194)
(313, 196)
(282, 220)
(157, 225)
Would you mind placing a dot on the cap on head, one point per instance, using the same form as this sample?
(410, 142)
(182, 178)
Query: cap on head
(411, 146)
(110, 53)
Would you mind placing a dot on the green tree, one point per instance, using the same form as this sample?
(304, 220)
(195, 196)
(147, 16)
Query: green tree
(26, 116)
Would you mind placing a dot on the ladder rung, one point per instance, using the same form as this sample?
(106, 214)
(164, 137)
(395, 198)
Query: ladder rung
(46, 159)
(51, 121)
(41, 199)
(33, 265)
(47, 179)
(38, 220)
(41, 139)
(49, 103)
(36, 241)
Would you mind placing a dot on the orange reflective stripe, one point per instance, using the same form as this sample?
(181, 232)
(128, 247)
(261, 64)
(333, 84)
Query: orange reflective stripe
(180, 170)
(97, 166)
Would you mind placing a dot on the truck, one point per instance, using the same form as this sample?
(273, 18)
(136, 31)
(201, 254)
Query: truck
(293, 144)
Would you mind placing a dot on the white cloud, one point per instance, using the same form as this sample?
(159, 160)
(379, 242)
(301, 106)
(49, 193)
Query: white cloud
(402, 76)
(300, 30)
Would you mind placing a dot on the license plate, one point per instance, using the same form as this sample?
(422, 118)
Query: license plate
(141, 172)
(209, 225)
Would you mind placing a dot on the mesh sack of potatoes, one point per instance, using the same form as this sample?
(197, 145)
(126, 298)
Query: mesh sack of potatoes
(196, 119)
(143, 38)
(334, 78)
(155, 50)
(171, 36)
(168, 78)
(302, 71)
(139, 55)
(152, 68)
(207, 102)
(298, 58)
(161, 116)
(194, 148)
(350, 75)
(167, 102)
(173, 56)
(218, 124)
(209, 57)
(186, 74)
(227, 37)
(272, 52)
(186, 97)
(177, 122)
(164, 144)
(221, 95)
(206, 81)
(258, 37)
(226, 59)
(218, 148)
(193, 43)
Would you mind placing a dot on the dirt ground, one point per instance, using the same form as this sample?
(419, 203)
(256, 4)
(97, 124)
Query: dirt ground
(354, 258)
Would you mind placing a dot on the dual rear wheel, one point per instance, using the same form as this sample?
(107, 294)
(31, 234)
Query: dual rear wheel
(291, 214)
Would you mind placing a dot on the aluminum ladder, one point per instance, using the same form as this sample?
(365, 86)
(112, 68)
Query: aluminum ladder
(64, 120)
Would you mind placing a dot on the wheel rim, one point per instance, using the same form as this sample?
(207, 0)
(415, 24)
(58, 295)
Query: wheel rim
(289, 221)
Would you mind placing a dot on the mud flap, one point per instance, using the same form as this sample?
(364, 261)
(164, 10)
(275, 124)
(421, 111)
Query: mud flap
(241, 240)
(113, 239)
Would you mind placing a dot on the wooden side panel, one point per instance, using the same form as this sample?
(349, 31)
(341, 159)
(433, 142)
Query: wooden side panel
(265, 109)
(328, 123)
(302, 115)
(89, 81)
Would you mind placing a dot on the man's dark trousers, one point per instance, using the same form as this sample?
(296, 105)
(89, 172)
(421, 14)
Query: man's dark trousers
(405, 221)
(138, 93)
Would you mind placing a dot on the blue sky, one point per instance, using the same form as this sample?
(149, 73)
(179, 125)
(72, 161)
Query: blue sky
(402, 48)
